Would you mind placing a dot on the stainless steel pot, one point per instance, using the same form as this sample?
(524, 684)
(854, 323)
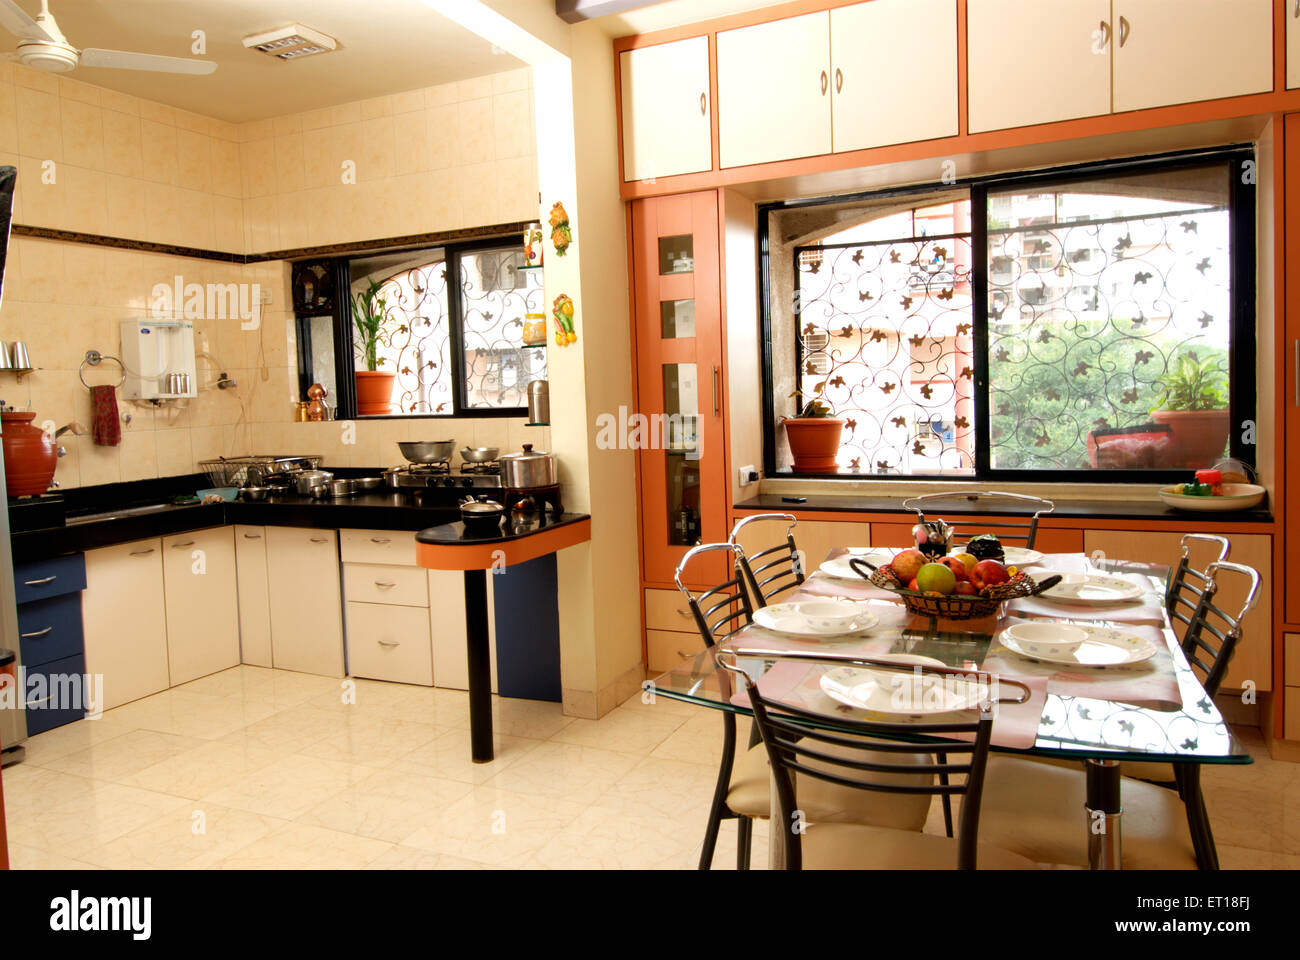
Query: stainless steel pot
(481, 515)
(340, 488)
(304, 480)
(479, 454)
(526, 470)
(426, 451)
(254, 493)
(367, 483)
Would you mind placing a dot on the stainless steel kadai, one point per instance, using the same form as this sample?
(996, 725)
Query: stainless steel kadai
(527, 470)
(426, 451)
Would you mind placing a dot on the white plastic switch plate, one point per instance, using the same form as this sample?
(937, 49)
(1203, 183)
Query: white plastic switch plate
(748, 475)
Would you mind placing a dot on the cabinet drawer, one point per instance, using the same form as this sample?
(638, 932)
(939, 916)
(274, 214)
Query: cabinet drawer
(50, 629)
(49, 578)
(665, 649)
(54, 694)
(1291, 661)
(668, 610)
(388, 642)
(385, 583)
(1291, 728)
(377, 546)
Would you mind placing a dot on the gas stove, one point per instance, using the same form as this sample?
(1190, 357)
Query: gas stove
(440, 476)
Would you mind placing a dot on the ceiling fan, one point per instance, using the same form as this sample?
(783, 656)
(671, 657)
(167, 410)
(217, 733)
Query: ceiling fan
(43, 46)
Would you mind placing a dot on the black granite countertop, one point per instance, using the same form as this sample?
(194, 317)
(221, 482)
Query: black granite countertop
(1145, 509)
(514, 528)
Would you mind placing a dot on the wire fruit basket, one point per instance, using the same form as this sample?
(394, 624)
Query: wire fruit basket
(961, 606)
(233, 471)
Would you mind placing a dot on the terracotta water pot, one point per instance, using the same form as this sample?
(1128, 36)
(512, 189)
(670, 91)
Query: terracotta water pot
(31, 455)
(814, 443)
(374, 392)
(1199, 436)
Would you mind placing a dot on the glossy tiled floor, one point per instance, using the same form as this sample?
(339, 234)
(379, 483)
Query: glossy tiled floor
(262, 768)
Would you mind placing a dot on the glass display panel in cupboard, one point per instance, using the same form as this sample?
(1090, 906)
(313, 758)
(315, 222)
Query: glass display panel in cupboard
(679, 380)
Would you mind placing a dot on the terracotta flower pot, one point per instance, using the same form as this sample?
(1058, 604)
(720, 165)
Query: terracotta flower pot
(374, 392)
(814, 443)
(31, 455)
(1199, 436)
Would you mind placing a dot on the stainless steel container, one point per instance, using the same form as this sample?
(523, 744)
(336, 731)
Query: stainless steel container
(340, 488)
(304, 480)
(427, 451)
(526, 470)
(539, 402)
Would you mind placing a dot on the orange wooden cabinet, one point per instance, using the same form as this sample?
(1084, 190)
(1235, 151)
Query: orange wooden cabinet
(678, 425)
(1290, 387)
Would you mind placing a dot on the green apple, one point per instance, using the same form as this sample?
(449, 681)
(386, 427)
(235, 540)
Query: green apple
(936, 577)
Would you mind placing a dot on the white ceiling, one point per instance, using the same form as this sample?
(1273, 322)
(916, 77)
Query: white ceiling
(385, 46)
(675, 13)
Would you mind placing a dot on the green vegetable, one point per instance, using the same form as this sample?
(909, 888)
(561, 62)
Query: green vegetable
(1197, 489)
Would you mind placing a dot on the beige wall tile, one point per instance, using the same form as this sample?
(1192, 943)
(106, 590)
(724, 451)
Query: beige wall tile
(83, 134)
(125, 198)
(408, 101)
(227, 177)
(474, 142)
(36, 79)
(121, 143)
(193, 160)
(121, 102)
(284, 126)
(289, 167)
(345, 113)
(377, 107)
(40, 132)
(157, 151)
(440, 96)
(474, 89)
(257, 162)
(70, 89)
(158, 113)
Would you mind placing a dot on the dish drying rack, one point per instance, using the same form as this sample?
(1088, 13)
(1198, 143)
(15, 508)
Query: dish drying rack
(233, 471)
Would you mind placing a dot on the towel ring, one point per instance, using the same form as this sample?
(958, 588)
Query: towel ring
(95, 358)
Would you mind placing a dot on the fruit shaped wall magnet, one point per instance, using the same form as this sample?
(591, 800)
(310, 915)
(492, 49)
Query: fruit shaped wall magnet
(562, 311)
(561, 235)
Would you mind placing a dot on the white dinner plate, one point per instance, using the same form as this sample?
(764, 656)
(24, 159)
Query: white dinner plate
(1092, 588)
(901, 694)
(839, 567)
(1236, 496)
(786, 618)
(1014, 556)
(1105, 647)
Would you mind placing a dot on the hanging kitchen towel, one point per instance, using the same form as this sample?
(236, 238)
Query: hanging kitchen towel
(106, 428)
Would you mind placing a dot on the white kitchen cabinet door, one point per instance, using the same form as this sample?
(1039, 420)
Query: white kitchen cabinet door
(124, 620)
(202, 603)
(774, 91)
(306, 612)
(389, 642)
(447, 629)
(1182, 51)
(254, 596)
(667, 128)
(1292, 44)
(1036, 61)
(893, 72)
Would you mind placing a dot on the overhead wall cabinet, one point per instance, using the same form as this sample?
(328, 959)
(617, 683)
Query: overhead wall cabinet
(667, 122)
(678, 326)
(1033, 62)
(845, 79)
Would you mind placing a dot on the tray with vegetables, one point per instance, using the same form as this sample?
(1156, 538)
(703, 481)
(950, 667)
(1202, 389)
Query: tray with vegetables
(1210, 493)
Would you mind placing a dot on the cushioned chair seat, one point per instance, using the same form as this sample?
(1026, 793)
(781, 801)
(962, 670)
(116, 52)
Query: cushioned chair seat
(823, 802)
(844, 846)
(1037, 811)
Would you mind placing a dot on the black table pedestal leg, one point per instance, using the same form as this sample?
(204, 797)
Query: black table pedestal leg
(1103, 810)
(480, 666)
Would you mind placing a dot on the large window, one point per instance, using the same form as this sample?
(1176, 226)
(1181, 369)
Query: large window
(1090, 324)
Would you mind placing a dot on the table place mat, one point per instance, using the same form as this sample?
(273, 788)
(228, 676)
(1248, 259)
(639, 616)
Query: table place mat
(1015, 725)
(1149, 610)
(1151, 683)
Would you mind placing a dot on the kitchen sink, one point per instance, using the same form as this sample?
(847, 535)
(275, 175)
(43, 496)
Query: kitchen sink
(127, 512)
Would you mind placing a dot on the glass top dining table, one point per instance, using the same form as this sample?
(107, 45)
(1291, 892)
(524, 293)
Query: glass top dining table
(1070, 726)
(1185, 727)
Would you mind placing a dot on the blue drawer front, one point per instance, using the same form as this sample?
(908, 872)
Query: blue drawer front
(50, 629)
(49, 578)
(55, 693)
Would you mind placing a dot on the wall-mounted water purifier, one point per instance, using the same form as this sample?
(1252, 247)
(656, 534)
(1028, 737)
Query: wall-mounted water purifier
(159, 360)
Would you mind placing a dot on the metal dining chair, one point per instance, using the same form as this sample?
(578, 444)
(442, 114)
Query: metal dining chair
(742, 791)
(1037, 805)
(1018, 532)
(801, 755)
(780, 566)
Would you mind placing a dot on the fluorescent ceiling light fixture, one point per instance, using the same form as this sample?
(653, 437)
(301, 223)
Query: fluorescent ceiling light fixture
(290, 42)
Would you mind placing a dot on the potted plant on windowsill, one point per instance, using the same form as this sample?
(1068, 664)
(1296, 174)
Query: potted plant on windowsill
(374, 386)
(814, 436)
(1194, 404)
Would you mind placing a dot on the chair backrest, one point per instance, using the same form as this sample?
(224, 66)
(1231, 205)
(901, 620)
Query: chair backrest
(1186, 584)
(1016, 531)
(794, 746)
(1212, 634)
(721, 610)
(773, 570)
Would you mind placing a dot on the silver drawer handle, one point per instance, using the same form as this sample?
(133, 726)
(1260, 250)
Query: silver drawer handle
(380, 540)
(704, 101)
(385, 583)
(320, 539)
(825, 83)
(141, 553)
(41, 582)
(33, 636)
(252, 536)
(180, 546)
(683, 613)
(390, 643)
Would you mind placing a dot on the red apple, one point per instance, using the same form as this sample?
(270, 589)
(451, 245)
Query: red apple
(907, 563)
(988, 573)
(957, 567)
(966, 589)
(912, 585)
